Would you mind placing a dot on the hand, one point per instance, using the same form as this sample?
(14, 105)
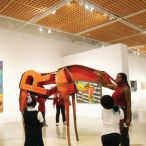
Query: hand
(127, 122)
(100, 77)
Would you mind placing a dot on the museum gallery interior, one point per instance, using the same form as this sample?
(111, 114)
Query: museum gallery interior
(43, 37)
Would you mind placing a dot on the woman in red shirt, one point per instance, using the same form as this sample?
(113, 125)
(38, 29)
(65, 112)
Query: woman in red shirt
(122, 98)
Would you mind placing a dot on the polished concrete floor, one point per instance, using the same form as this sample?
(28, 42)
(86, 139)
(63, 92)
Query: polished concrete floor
(89, 129)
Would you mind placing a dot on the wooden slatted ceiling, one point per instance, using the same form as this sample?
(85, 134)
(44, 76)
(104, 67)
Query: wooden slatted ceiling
(111, 32)
(139, 49)
(24, 9)
(73, 19)
(139, 20)
(143, 50)
(121, 7)
(133, 41)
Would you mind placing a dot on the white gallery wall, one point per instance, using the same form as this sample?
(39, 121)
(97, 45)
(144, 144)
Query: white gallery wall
(137, 71)
(112, 59)
(21, 52)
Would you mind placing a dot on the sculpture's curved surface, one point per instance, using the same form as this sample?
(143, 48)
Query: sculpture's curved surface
(63, 81)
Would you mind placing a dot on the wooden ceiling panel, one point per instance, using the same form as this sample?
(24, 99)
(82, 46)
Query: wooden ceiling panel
(133, 41)
(39, 4)
(73, 19)
(53, 22)
(128, 42)
(25, 13)
(26, 9)
(3, 4)
(141, 39)
(121, 7)
(143, 50)
(111, 32)
(139, 20)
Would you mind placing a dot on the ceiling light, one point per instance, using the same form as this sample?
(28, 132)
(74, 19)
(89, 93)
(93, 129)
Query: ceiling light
(81, 3)
(68, 2)
(86, 6)
(105, 15)
(111, 18)
(49, 30)
(92, 8)
(40, 29)
(53, 12)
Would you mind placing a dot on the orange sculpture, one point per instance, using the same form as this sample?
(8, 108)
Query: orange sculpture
(64, 80)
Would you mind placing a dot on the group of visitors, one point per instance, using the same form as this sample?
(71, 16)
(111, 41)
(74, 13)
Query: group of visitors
(116, 115)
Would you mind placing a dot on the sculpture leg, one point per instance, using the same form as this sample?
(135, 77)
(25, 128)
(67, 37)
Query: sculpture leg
(67, 120)
(74, 114)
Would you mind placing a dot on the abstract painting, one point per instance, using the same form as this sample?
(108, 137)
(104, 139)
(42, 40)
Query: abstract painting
(88, 92)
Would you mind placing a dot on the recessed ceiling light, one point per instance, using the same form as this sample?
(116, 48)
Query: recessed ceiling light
(53, 12)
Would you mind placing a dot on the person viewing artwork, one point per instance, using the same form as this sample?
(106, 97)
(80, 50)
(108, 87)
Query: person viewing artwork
(111, 117)
(59, 102)
(33, 123)
(41, 99)
(122, 98)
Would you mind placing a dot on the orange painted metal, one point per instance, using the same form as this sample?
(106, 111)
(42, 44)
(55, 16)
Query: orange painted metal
(64, 80)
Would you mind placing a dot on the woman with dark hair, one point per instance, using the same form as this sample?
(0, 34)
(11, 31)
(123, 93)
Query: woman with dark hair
(122, 98)
(33, 122)
(111, 117)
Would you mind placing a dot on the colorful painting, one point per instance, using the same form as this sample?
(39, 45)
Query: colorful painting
(88, 92)
(1, 86)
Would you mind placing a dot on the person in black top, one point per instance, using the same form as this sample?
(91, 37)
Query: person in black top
(33, 122)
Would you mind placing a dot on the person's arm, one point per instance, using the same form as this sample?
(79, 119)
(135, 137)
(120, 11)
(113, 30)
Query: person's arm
(110, 86)
(127, 95)
(40, 118)
(103, 83)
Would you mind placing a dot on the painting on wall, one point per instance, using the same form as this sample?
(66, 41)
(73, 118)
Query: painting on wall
(88, 92)
(143, 85)
(133, 86)
(1, 86)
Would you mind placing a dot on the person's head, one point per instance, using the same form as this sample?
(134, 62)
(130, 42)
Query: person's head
(31, 100)
(121, 78)
(107, 102)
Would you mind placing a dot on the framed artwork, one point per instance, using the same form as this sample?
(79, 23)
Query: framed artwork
(143, 85)
(88, 92)
(133, 86)
(1, 86)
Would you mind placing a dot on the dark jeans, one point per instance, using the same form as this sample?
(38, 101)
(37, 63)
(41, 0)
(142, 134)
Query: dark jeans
(112, 139)
(125, 140)
(58, 108)
(33, 136)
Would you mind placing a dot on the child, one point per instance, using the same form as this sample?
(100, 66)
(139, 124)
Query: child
(33, 122)
(111, 116)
